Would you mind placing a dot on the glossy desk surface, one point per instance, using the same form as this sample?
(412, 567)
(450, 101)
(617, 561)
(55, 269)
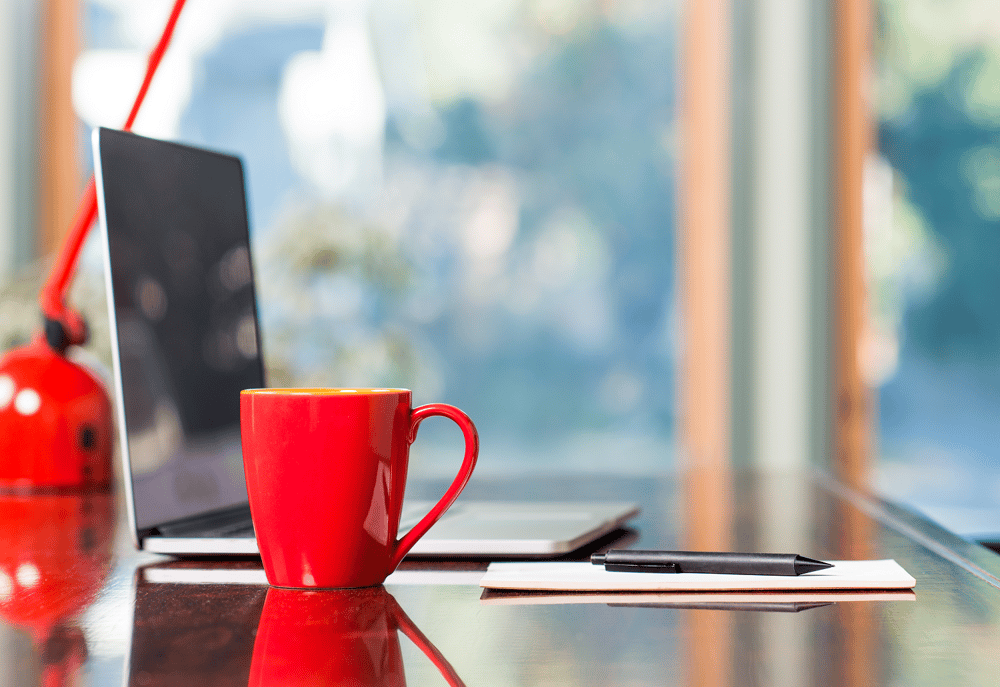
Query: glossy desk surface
(81, 607)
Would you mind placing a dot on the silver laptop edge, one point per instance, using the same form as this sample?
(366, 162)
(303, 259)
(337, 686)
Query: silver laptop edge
(126, 466)
(615, 515)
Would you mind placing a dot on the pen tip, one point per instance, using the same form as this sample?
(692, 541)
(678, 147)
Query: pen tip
(808, 565)
(597, 558)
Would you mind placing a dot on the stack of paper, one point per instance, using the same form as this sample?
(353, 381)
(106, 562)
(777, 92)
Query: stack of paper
(781, 601)
(884, 574)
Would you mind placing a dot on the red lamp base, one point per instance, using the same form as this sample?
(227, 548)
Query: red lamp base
(55, 422)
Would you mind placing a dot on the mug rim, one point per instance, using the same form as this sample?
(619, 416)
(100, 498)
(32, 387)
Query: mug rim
(323, 391)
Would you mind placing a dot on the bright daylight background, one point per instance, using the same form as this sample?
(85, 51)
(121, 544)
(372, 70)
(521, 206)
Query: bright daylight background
(470, 199)
(934, 243)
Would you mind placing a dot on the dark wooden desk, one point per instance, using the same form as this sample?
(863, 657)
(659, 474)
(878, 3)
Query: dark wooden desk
(80, 606)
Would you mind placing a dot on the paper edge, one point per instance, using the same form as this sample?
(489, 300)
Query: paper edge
(497, 567)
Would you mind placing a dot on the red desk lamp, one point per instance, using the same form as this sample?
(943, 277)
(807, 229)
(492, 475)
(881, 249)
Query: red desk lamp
(55, 417)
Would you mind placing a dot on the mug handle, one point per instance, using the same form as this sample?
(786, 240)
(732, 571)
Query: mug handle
(468, 463)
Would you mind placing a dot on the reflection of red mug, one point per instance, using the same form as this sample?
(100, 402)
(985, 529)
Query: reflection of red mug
(335, 638)
(326, 471)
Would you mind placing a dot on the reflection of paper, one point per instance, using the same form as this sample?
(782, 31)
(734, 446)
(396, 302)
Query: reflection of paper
(884, 574)
(734, 601)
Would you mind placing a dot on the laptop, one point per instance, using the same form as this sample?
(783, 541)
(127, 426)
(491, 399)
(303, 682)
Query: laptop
(185, 340)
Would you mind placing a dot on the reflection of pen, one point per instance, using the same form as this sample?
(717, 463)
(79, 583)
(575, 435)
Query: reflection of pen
(773, 607)
(725, 563)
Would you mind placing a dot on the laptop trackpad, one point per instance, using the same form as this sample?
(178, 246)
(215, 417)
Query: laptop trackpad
(501, 527)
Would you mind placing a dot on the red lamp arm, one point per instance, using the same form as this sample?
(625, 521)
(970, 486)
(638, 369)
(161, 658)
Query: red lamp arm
(64, 326)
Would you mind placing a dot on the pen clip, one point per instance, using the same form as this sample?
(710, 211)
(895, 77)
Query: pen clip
(635, 567)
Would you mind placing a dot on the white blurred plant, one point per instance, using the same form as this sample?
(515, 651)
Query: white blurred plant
(904, 264)
(329, 287)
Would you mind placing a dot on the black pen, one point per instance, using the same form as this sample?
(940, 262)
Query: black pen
(725, 563)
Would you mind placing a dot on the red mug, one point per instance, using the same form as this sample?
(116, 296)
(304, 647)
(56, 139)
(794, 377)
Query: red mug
(342, 637)
(326, 470)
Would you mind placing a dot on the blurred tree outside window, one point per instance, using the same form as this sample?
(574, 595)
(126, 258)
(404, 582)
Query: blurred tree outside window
(934, 242)
(470, 199)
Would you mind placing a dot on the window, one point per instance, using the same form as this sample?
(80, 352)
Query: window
(473, 200)
(933, 245)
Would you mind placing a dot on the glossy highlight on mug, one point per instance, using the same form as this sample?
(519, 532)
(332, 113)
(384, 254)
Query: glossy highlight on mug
(326, 473)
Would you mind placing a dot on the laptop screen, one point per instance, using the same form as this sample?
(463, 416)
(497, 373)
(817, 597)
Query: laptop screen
(183, 320)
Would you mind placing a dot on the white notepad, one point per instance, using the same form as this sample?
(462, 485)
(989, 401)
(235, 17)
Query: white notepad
(884, 574)
(789, 600)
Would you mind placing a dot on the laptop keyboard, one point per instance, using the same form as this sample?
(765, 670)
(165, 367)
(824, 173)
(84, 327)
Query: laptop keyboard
(233, 525)
(236, 529)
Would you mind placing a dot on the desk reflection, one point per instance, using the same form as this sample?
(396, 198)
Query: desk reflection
(193, 634)
(234, 634)
(55, 553)
(707, 497)
(336, 637)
